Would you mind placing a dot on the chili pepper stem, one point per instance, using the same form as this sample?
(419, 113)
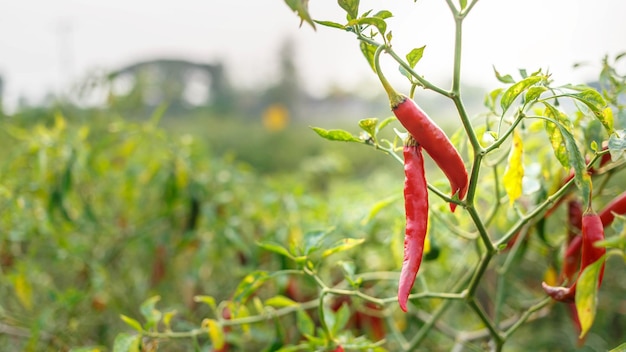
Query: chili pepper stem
(395, 98)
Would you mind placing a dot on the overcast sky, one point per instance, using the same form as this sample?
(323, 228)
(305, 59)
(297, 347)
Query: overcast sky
(44, 43)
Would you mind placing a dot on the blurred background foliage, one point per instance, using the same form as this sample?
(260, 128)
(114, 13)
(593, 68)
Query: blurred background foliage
(160, 178)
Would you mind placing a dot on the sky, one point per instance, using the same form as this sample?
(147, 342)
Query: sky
(47, 44)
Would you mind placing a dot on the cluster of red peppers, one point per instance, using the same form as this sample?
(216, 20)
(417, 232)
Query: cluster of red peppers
(425, 135)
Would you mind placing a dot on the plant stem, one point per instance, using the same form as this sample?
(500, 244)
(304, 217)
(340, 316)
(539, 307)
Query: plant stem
(497, 337)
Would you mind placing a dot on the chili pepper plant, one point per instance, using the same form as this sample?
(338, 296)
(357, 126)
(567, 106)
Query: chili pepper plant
(489, 252)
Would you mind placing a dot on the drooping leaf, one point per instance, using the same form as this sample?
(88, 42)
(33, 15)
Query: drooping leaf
(504, 79)
(215, 332)
(208, 300)
(514, 173)
(351, 7)
(379, 23)
(336, 135)
(596, 103)
(301, 8)
(126, 343)
(249, 285)
(516, 89)
(566, 140)
(368, 51)
(369, 125)
(587, 295)
(555, 136)
(342, 245)
(415, 55)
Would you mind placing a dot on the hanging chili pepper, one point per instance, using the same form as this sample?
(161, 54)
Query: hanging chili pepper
(616, 206)
(435, 143)
(592, 232)
(428, 134)
(416, 207)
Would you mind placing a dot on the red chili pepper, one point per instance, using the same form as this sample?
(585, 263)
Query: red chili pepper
(416, 207)
(435, 143)
(617, 206)
(592, 232)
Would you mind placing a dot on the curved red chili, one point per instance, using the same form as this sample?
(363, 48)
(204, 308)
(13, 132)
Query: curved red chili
(435, 143)
(617, 206)
(592, 232)
(416, 207)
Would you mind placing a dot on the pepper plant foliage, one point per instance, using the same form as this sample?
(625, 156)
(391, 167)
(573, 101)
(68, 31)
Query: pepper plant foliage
(580, 123)
(536, 146)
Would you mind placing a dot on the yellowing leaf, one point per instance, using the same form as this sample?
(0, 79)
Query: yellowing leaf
(551, 277)
(587, 295)
(515, 170)
(23, 291)
(215, 333)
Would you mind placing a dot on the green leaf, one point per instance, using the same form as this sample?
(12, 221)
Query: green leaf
(574, 157)
(131, 322)
(369, 125)
(384, 123)
(276, 248)
(380, 205)
(490, 99)
(330, 24)
(415, 55)
(514, 173)
(351, 7)
(593, 133)
(504, 79)
(587, 295)
(342, 316)
(343, 245)
(126, 343)
(368, 51)
(208, 300)
(379, 23)
(533, 93)
(280, 301)
(620, 348)
(555, 136)
(596, 103)
(383, 14)
(516, 89)
(336, 135)
(463, 4)
(152, 315)
(301, 7)
(249, 285)
(305, 323)
(313, 241)
(617, 144)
